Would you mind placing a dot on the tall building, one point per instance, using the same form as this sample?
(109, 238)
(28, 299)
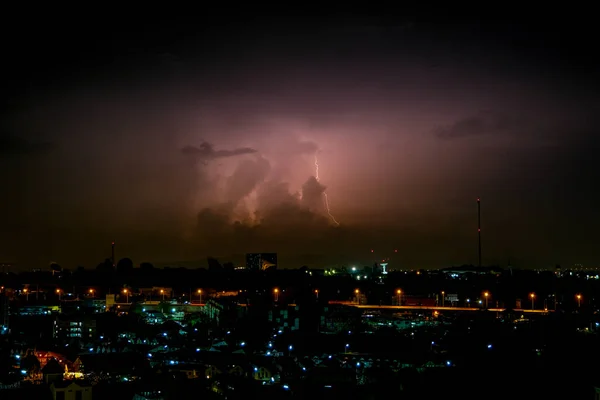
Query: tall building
(261, 261)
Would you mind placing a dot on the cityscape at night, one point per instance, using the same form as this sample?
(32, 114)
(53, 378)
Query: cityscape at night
(140, 332)
(243, 205)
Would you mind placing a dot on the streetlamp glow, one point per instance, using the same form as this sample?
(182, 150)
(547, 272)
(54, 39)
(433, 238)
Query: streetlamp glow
(199, 291)
(578, 300)
(486, 295)
(532, 295)
(126, 292)
(276, 294)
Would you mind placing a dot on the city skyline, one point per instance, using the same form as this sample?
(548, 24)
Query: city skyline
(199, 139)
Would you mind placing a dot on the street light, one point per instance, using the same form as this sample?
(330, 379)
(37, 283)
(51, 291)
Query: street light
(92, 293)
(126, 295)
(346, 348)
(199, 291)
(532, 295)
(357, 292)
(578, 300)
(26, 291)
(399, 293)
(163, 294)
(443, 298)
(486, 295)
(317, 293)
(59, 292)
(276, 294)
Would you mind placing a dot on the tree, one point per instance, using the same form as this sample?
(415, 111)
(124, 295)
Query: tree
(213, 264)
(54, 267)
(146, 266)
(105, 266)
(125, 265)
(135, 308)
(30, 363)
(164, 307)
(195, 319)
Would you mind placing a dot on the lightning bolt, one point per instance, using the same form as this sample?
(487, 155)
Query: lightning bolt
(325, 198)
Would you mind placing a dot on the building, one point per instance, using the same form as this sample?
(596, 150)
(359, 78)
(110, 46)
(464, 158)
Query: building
(4, 312)
(261, 261)
(66, 327)
(71, 390)
(37, 310)
(285, 318)
(336, 319)
(53, 371)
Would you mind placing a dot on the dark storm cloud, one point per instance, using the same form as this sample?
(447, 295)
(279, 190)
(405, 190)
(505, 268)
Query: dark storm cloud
(13, 146)
(484, 123)
(312, 194)
(282, 223)
(281, 216)
(206, 151)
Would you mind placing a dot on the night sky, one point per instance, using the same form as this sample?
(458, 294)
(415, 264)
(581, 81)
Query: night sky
(185, 137)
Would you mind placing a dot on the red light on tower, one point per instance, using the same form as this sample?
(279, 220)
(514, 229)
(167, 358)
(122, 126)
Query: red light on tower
(372, 251)
(395, 250)
(478, 199)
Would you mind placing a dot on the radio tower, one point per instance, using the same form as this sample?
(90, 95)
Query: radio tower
(112, 254)
(479, 227)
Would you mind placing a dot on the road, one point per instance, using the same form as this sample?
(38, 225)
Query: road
(433, 308)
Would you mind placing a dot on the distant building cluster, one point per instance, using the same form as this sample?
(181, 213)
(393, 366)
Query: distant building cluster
(261, 261)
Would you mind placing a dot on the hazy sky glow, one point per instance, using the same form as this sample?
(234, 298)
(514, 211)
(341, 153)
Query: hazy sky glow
(206, 146)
